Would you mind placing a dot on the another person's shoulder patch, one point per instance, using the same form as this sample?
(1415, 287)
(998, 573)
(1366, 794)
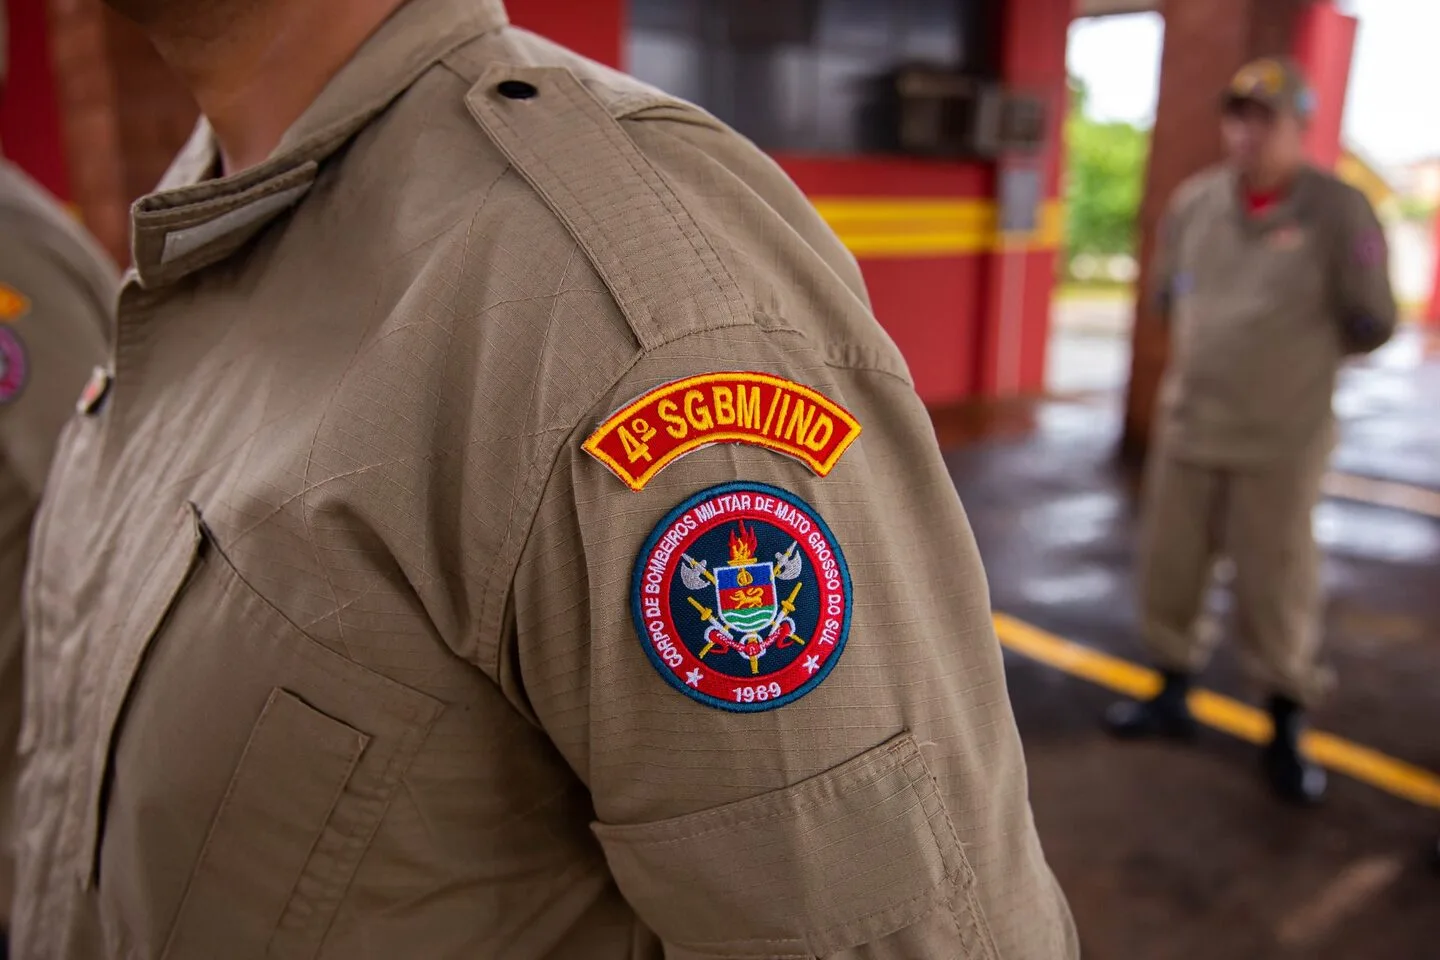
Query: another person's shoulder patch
(14, 365)
(1369, 249)
(13, 304)
(679, 417)
(742, 598)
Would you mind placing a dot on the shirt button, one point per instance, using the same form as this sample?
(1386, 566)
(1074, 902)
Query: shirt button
(94, 393)
(516, 89)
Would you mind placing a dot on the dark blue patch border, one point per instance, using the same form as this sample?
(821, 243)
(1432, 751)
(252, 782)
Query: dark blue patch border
(637, 578)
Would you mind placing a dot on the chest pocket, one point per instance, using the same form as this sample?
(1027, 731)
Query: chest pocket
(1240, 270)
(249, 769)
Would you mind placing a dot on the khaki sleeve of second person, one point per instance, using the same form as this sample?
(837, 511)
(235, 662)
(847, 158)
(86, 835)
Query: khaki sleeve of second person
(52, 339)
(1367, 309)
(881, 815)
(57, 334)
(1166, 280)
(1160, 288)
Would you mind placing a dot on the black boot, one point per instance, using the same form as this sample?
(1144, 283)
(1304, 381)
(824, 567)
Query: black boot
(1291, 776)
(1167, 714)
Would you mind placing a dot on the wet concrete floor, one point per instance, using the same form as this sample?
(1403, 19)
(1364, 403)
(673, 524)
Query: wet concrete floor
(1179, 852)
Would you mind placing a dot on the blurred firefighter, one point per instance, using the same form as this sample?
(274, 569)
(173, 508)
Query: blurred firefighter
(1269, 272)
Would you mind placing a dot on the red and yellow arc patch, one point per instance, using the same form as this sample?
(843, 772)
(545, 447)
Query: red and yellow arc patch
(674, 419)
(13, 303)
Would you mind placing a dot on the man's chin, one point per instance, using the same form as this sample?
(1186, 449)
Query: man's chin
(1245, 166)
(144, 12)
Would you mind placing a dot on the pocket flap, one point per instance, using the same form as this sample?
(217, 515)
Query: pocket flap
(843, 858)
(289, 779)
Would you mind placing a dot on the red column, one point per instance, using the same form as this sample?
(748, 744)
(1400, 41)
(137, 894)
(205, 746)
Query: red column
(1324, 48)
(593, 28)
(29, 116)
(1020, 276)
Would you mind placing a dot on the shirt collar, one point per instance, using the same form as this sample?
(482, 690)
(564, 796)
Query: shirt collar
(192, 221)
(1292, 203)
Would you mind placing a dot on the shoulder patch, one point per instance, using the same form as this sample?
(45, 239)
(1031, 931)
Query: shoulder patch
(14, 365)
(679, 417)
(741, 597)
(13, 304)
(1368, 250)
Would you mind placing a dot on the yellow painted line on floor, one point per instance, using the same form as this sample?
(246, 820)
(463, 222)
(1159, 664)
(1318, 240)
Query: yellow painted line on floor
(1240, 720)
(1384, 493)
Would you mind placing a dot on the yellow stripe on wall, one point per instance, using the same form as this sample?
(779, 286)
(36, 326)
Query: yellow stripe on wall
(925, 227)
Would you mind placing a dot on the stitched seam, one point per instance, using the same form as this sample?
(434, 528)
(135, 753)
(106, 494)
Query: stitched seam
(209, 838)
(873, 771)
(688, 227)
(527, 482)
(742, 822)
(395, 699)
(225, 802)
(611, 276)
(490, 592)
(826, 350)
(978, 921)
(573, 432)
(629, 152)
(949, 878)
(320, 835)
(296, 176)
(395, 771)
(817, 943)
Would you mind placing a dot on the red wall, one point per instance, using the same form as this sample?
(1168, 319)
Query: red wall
(926, 303)
(29, 117)
(592, 28)
(887, 177)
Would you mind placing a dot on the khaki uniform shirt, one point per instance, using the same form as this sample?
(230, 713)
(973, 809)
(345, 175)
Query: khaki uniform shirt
(1263, 310)
(57, 291)
(333, 648)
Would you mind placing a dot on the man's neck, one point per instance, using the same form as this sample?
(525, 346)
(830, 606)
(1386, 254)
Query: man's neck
(254, 66)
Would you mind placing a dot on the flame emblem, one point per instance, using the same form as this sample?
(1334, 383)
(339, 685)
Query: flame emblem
(742, 548)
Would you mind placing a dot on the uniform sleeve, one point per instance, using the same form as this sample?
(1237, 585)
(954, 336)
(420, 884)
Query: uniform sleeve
(49, 342)
(1166, 281)
(52, 339)
(1366, 308)
(880, 810)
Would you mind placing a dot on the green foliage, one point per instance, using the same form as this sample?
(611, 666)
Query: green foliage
(1416, 210)
(1105, 180)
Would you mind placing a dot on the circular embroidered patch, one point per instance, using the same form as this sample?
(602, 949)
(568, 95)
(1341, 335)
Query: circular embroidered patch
(14, 365)
(742, 598)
